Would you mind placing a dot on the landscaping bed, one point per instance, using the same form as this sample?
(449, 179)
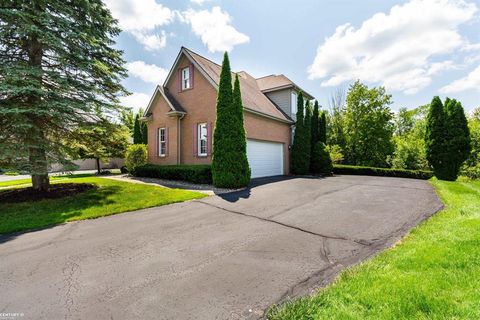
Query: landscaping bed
(107, 197)
(55, 191)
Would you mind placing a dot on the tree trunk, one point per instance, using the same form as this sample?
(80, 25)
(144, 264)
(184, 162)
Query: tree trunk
(36, 137)
(39, 169)
(98, 166)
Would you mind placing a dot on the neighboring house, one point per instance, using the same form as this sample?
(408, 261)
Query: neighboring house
(181, 116)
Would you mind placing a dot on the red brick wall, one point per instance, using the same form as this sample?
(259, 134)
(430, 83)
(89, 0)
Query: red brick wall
(199, 103)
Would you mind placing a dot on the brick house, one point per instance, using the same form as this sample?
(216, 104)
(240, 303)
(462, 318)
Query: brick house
(181, 116)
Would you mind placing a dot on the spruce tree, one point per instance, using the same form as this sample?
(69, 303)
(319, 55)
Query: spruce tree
(322, 128)
(58, 71)
(300, 163)
(435, 135)
(137, 131)
(230, 167)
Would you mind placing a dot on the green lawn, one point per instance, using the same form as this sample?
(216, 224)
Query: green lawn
(434, 273)
(109, 198)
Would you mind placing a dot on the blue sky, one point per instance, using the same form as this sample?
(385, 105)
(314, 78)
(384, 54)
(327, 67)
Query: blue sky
(416, 48)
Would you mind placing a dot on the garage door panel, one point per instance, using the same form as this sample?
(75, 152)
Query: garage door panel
(265, 158)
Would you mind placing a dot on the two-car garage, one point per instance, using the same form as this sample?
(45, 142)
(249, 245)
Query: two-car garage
(265, 158)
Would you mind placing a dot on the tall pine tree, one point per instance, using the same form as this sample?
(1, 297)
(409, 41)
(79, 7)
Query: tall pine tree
(229, 164)
(137, 131)
(58, 70)
(308, 132)
(315, 125)
(300, 161)
(322, 128)
(457, 139)
(435, 137)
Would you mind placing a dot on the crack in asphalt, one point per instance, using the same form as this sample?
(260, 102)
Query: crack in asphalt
(358, 241)
(314, 199)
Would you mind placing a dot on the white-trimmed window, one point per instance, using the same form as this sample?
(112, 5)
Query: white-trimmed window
(202, 139)
(162, 142)
(186, 78)
(294, 102)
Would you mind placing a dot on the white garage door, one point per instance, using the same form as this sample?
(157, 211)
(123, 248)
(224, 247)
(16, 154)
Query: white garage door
(265, 158)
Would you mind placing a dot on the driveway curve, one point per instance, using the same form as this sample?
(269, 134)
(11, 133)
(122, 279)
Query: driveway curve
(224, 257)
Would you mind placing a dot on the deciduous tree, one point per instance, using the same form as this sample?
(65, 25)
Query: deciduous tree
(368, 126)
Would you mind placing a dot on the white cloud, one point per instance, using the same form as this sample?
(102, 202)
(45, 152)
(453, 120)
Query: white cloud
(142, 19)
(215, 29)
(471, 81)
(151, 42)
(135, 101)
(149, 73)
(199, 2)
(395, 49)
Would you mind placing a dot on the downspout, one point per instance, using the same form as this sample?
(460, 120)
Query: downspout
(179, 133)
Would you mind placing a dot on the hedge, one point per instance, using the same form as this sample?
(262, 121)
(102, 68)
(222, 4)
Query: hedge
(189, 173)
(385, 172)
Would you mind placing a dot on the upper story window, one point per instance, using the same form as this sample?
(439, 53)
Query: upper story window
(162, 142)
(294, 102)
(202, 139)
(186, 83)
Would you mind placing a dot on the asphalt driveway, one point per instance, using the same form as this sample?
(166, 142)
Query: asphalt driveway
(223, 257)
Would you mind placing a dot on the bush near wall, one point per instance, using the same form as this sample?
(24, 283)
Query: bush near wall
(372, 171)
(190, 173)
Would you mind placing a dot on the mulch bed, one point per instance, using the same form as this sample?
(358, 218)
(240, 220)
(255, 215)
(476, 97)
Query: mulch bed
(59, 190)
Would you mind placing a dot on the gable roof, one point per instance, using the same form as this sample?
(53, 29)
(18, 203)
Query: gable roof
(253, 99)
(275, 82)
(174, 105)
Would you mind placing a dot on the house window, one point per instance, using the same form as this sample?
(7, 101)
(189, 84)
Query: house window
(294, 102)
(202, 139)
(162, 142)
(186, 78)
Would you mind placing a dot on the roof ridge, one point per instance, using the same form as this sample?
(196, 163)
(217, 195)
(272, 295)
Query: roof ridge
(270, 75)
(191, 51)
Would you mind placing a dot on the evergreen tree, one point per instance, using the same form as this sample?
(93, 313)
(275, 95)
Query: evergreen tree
(144, 132)
(457, 139)
(300, 162)
(137, 131)
(322, 128)
(435, 138)
(321, 161)
(229, 164)
(315, 125)
(58, 70)
(308, 132)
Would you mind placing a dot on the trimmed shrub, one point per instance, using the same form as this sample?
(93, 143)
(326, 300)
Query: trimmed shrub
(136, 156)
(321, 161)
(191, 173)
(383, 172)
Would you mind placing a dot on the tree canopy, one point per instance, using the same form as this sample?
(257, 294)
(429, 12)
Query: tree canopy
(368, 126)
(59, 71)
